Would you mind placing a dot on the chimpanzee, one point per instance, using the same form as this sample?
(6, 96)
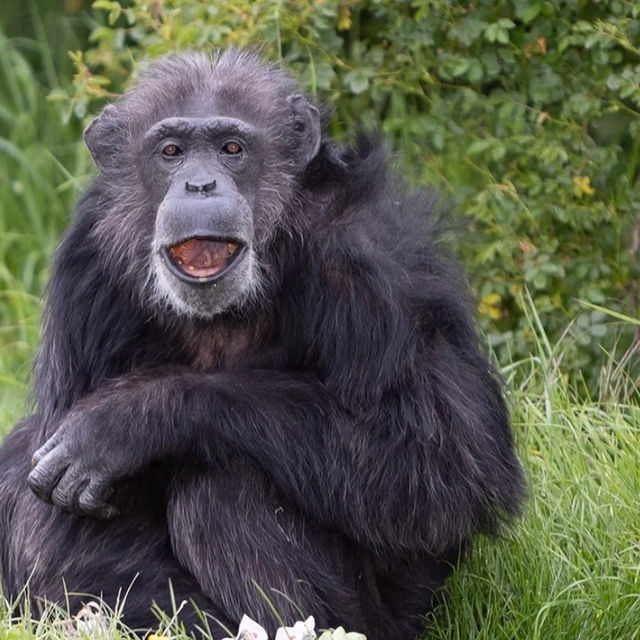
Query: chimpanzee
(258, 369)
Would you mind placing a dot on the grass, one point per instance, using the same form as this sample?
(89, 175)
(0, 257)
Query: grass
(42, 167)
(569, 569)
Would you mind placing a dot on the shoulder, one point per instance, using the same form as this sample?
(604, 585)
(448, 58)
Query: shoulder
(368, 215)
(379, 246)
(365, 199)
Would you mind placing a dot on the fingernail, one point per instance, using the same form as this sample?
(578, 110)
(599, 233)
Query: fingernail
(110, 512)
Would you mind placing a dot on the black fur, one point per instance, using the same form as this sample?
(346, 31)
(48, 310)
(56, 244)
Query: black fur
(337, 438)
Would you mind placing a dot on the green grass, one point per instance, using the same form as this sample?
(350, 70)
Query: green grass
(42, 166)
(569, 569)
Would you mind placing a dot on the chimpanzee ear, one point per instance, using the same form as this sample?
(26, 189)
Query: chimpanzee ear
(307, 125)
(103, 137)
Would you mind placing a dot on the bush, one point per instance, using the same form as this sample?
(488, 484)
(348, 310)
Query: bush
(525, 114)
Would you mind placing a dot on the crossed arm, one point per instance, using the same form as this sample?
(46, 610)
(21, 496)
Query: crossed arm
(441, 446)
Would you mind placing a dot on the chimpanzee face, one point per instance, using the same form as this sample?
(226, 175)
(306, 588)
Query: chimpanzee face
(203, 176)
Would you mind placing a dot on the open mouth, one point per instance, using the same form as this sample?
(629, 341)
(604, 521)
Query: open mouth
(203, 259)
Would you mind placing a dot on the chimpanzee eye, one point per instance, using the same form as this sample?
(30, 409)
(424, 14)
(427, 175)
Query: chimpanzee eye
(171, 151)
(231, 148)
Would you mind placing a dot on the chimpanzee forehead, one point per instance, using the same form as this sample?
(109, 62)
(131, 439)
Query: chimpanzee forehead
(202, 104)
(254, 104)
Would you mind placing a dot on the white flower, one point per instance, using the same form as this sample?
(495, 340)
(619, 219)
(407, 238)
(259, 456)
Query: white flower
(249, 630)
(90, 621)
(299, 631)
(341, 634)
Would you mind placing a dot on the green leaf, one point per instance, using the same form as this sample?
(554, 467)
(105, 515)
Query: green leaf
(498, 152)
(357, 80)
(107, 5)
(540, 280)
(479, 147)
(531, 12)
(476, 72)
(498, 31)
(115, 14)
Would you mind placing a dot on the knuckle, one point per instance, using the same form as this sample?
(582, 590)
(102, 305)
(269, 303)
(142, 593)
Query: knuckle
(38, 483)
(34, 480)
(91, 500)
(46, 474)
(88, 502)
(42, 451)
(60, 497)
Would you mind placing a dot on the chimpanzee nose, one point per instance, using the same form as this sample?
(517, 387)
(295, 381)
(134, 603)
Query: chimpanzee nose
(204, 189)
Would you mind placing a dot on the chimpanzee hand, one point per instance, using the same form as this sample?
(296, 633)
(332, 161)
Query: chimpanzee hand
(119, 430)
(77, 467)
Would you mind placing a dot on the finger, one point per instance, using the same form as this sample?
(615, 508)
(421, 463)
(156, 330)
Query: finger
(68, 487)
(48, 446)
(46, 474)
(92, 500)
